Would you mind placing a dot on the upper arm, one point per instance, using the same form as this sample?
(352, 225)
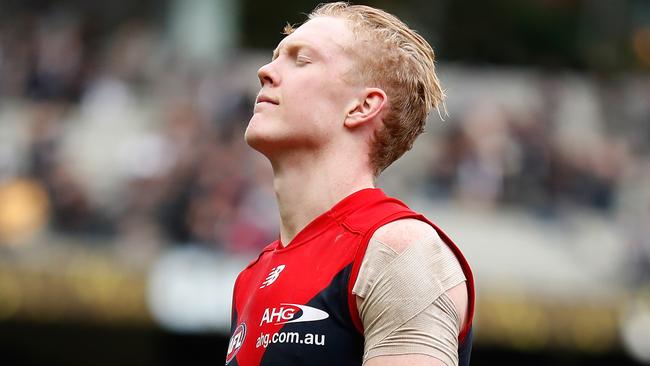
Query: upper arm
(401, 233)
(399, 236)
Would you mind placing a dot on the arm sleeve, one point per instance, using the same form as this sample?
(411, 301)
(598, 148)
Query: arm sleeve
(403, 305)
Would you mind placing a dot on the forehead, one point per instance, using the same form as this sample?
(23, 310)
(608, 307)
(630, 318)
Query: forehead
(329, 35)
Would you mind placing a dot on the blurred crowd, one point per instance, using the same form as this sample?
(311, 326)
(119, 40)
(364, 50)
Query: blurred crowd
(553, 146)
(492, 156)
(123, 138)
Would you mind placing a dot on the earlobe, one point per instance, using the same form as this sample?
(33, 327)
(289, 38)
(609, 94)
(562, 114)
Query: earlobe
(367, 108)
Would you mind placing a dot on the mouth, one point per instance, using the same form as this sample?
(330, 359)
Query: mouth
(262, 98)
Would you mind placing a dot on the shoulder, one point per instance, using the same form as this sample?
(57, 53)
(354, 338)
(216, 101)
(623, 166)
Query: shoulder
(399, 234)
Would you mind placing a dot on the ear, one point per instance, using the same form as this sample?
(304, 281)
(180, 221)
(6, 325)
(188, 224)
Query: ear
(366, 108)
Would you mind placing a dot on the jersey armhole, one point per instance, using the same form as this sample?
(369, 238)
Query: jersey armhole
(358, 259)
(361, 251)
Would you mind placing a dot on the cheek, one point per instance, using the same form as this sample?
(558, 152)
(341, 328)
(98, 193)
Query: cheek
(303, 105)
(315, 100)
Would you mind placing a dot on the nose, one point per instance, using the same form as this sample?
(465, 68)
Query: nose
(267, 75)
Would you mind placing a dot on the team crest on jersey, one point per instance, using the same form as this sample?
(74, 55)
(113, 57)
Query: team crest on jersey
(236, 341)
(273, 275)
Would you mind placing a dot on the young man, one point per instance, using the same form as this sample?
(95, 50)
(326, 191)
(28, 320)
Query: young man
(355, 277)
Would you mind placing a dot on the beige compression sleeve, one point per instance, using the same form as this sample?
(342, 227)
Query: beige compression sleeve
(403, 305)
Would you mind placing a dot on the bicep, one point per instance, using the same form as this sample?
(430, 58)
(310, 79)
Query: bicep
(459, 296)
(429, 337)
(414, 303)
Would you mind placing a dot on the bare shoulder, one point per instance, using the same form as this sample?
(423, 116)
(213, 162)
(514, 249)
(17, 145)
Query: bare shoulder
(400, 233)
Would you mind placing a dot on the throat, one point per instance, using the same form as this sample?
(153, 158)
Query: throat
(303, 199)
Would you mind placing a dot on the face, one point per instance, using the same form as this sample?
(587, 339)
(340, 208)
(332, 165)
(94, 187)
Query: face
(304, 96)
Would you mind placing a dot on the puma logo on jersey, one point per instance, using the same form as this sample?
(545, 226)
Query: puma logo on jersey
(292, 313)
(273, 275)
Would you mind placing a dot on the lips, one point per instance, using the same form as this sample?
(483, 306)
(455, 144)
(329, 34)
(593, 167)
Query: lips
(263, 98)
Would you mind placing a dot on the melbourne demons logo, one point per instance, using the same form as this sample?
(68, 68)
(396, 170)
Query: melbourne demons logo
(236, 342)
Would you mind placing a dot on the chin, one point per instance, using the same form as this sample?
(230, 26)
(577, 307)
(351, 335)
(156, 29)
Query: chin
(271, 137)
(258, 136)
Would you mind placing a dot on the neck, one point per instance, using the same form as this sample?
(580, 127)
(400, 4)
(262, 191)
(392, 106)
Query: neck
(306, 188)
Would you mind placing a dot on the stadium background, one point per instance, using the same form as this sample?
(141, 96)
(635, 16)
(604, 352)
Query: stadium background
(128, 200)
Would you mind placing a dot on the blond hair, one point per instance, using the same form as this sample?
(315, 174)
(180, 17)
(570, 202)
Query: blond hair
(401, 62)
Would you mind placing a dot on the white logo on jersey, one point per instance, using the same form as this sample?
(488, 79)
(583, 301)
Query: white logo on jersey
(273, 275)
(291, 313)
(236, 342)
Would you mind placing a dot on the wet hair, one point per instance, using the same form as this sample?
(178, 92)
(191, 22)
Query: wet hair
(395, 58)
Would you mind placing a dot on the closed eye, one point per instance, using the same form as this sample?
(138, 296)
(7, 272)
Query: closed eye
(302, 60)
(299, 51)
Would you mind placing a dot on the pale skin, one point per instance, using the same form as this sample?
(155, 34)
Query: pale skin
(315, 124)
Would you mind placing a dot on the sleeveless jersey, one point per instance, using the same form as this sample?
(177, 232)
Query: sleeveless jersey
(294, 305)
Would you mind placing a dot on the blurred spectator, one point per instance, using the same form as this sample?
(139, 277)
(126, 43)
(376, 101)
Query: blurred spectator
(23, 210)
(492, 155)
(57, 64)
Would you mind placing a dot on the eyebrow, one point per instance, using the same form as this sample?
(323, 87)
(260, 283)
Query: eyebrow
(294, 46)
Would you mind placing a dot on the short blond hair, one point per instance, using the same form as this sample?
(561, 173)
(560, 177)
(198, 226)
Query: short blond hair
(401, 62)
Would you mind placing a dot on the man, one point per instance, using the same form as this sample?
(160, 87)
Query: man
(355, 277)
